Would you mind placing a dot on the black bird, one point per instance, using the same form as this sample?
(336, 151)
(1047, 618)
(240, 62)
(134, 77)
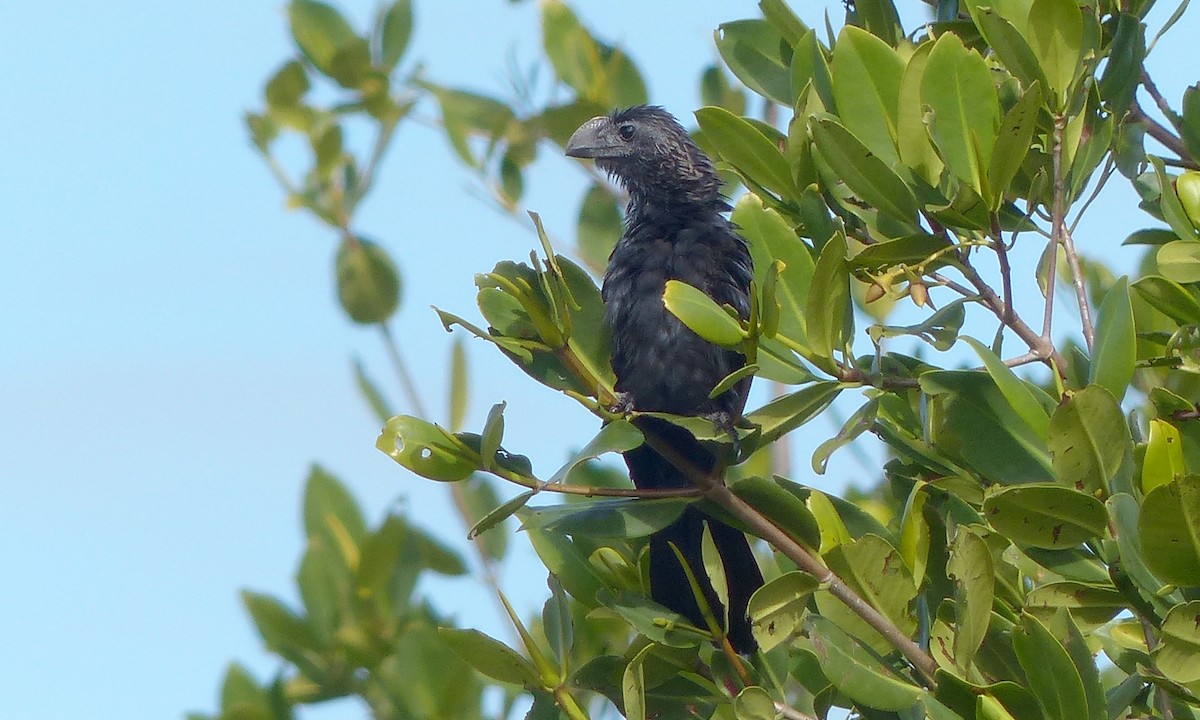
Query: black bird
(675, 229)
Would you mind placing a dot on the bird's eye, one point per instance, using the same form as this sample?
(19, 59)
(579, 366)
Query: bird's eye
(626, 131)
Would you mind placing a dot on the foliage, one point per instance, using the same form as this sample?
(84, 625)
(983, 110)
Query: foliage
(1033, 549)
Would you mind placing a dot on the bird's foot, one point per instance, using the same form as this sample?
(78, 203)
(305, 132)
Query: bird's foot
(724, 423)
(622, 403)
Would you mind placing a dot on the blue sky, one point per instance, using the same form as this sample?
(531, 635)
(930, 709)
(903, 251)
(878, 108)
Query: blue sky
(171, 355)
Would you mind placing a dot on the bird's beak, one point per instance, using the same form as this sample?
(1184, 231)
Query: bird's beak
(586, 142)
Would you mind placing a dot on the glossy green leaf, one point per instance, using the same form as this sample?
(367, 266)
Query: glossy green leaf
(939, 329)
(566, 560)
(859, 422)
(1020, 395)
(1172, 210)
(702, 315)
(1115, 350)
(1169, 529)
(777, 608)
(327, 502)
(1124, 515)
(1007, 42)
(874, 569)
(1178, 654)
(606, 518)
(973, 420)
(921, 249)
(856, 672)
(1164, 460)
(1123, 71)
(616, 436)
(744, 146)
(427, 449)
(319, 30)
(395, 32)
(491, 657)
(880, 18)
(1179, 261)
(751, 50)
(1013, 142)
(599, 226)
(915, 533)
(754, 703)
(1189, 129)
(650, 619)
(970, 569)
(1088, 439)
(1045, 516)
(957, 87)
(1051, 674)
(771, 238)
(810, 67)
(368, 283)
(865, 173)
(782, 508)
(788, 412)
(866, 75)
(1056, 37)
(1169, 298)
(1090, 605)
(828, 303)
(912, 134)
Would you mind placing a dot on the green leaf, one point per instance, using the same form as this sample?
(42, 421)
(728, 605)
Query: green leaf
(875, 570)
(915, 249)
(809, 66)
(939, 329)
(606, 518)
(459, 389)
(564, 558)
(912, 134)
(777, 608)
(1169, 298)
(957, 86)
(1092, 605)
(1169, 529)
(830, 323)
(856, 672)
(751, 50)
(491, 657)
(599, 226)
(1124, 512)
(1164, 456)
(616, 436)
(327, 502)
(1051, 675)
(1179, 261)
(1123, 70)
(1189, 128)
(287, 86)
(1044, 515)
(1115, 351)
(1056, 38)
(1007, 42)
(771, 238)
(970, 568)
(866, 88)
(864, 173)
(1013, 143)
(368, 283)
(427, 449)
(972, 420)
(633, 687)
(557, 623)
(788, 412)
(320, 31)
(915, 533)
(1172, 210)
(781, 507)
(500, 514)
(702, 315)
(651, 620)
(859, 422)
(1088, 439)
(242, 697)
(1019, 394)
(396, 30)
(1150, 236)
(281, 629)
(1178, 654)
(744, 146)
(379, 405)
(754, 703)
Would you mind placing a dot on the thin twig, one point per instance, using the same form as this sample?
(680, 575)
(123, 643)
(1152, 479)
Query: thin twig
(1060, 235)
(1163, 106)
(715, 490)
(1110, 167)
(1160, 696)
(1005, 270)
(1159, 132)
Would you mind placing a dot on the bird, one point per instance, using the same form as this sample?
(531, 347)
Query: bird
(675, 229)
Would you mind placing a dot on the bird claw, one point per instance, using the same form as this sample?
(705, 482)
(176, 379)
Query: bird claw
(622, 403)
(724, 423)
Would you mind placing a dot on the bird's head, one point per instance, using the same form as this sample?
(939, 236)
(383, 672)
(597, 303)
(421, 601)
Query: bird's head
(650, 154)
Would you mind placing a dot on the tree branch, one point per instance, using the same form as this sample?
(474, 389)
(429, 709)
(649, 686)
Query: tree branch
(1060, 235)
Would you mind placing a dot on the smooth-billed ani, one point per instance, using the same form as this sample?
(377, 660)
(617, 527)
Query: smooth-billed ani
(675, 229)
